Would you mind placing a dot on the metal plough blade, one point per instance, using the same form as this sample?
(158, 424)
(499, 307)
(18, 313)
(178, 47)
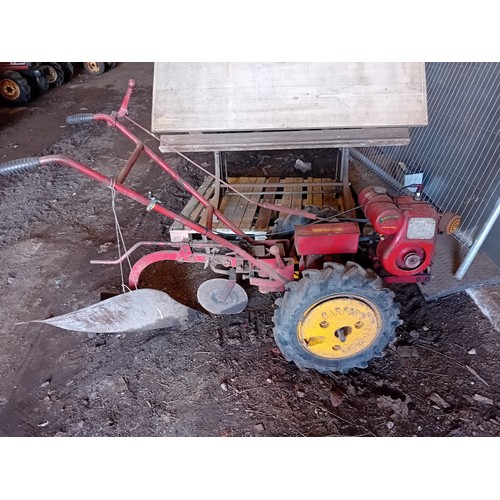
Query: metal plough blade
(136, 311)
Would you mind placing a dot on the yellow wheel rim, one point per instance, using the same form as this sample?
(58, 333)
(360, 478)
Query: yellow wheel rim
(52, 77)
(9, 89)
(93, 66)
(339, 327)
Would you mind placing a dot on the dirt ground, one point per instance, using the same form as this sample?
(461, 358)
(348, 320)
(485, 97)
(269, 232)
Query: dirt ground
(224, 376)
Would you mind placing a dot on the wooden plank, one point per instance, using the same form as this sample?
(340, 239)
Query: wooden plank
(188, 209)
(223, 204)
(232, 96)
(208, 193)
(180, 234)
(193, 202)
(231, 205)
(317, 194)
(239, 210)
(262, 222)
(309, 198)
(286, 199)
(201, 211)
(306, 139)
(246, 221)
(329, 195)
(297, 198)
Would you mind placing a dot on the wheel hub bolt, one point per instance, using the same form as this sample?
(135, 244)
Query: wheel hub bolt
(342, 333)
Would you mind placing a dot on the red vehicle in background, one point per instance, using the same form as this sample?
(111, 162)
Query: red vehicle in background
(20, 82)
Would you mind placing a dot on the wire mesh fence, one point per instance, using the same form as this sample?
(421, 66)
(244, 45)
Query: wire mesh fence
(457, 154)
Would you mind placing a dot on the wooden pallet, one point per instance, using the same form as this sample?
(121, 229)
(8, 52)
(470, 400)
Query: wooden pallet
(291, 192)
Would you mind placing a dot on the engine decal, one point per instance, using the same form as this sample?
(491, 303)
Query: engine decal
(421, 228)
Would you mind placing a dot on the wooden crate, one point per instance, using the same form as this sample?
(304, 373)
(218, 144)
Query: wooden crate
(291, 192)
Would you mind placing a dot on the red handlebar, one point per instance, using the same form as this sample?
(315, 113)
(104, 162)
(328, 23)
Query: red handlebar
(123, 111)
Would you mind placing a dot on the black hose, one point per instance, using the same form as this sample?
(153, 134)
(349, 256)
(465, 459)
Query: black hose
(19, 166)
(80, 119)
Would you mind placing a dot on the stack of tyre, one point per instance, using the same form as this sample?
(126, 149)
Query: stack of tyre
(20, 84)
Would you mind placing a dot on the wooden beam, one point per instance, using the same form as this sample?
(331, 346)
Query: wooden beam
(292, 139)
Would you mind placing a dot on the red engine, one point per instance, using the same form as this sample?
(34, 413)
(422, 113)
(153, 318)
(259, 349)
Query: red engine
(408, 229)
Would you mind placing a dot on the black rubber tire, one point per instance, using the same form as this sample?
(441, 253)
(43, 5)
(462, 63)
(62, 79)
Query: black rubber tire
(316, 285)
(56, 74)
(42, 84)
(14, 89)
(94, 68)
(68, 70)
(110, 65)
(39, 84)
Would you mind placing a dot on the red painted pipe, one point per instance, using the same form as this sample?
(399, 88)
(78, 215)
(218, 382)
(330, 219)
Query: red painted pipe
(110, 120)
(89, 172)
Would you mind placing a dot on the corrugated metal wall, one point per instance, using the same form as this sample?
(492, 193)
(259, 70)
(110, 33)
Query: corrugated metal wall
(459, 151)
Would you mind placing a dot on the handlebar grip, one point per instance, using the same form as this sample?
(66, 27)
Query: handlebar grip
(19, 166)
(80, 119)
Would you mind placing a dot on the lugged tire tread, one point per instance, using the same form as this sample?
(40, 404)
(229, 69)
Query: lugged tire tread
(315, 284)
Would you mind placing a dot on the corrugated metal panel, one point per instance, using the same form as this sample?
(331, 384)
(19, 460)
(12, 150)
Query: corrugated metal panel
(459, 151)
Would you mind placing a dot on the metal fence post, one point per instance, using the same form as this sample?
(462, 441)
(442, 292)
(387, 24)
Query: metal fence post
(478, 242)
